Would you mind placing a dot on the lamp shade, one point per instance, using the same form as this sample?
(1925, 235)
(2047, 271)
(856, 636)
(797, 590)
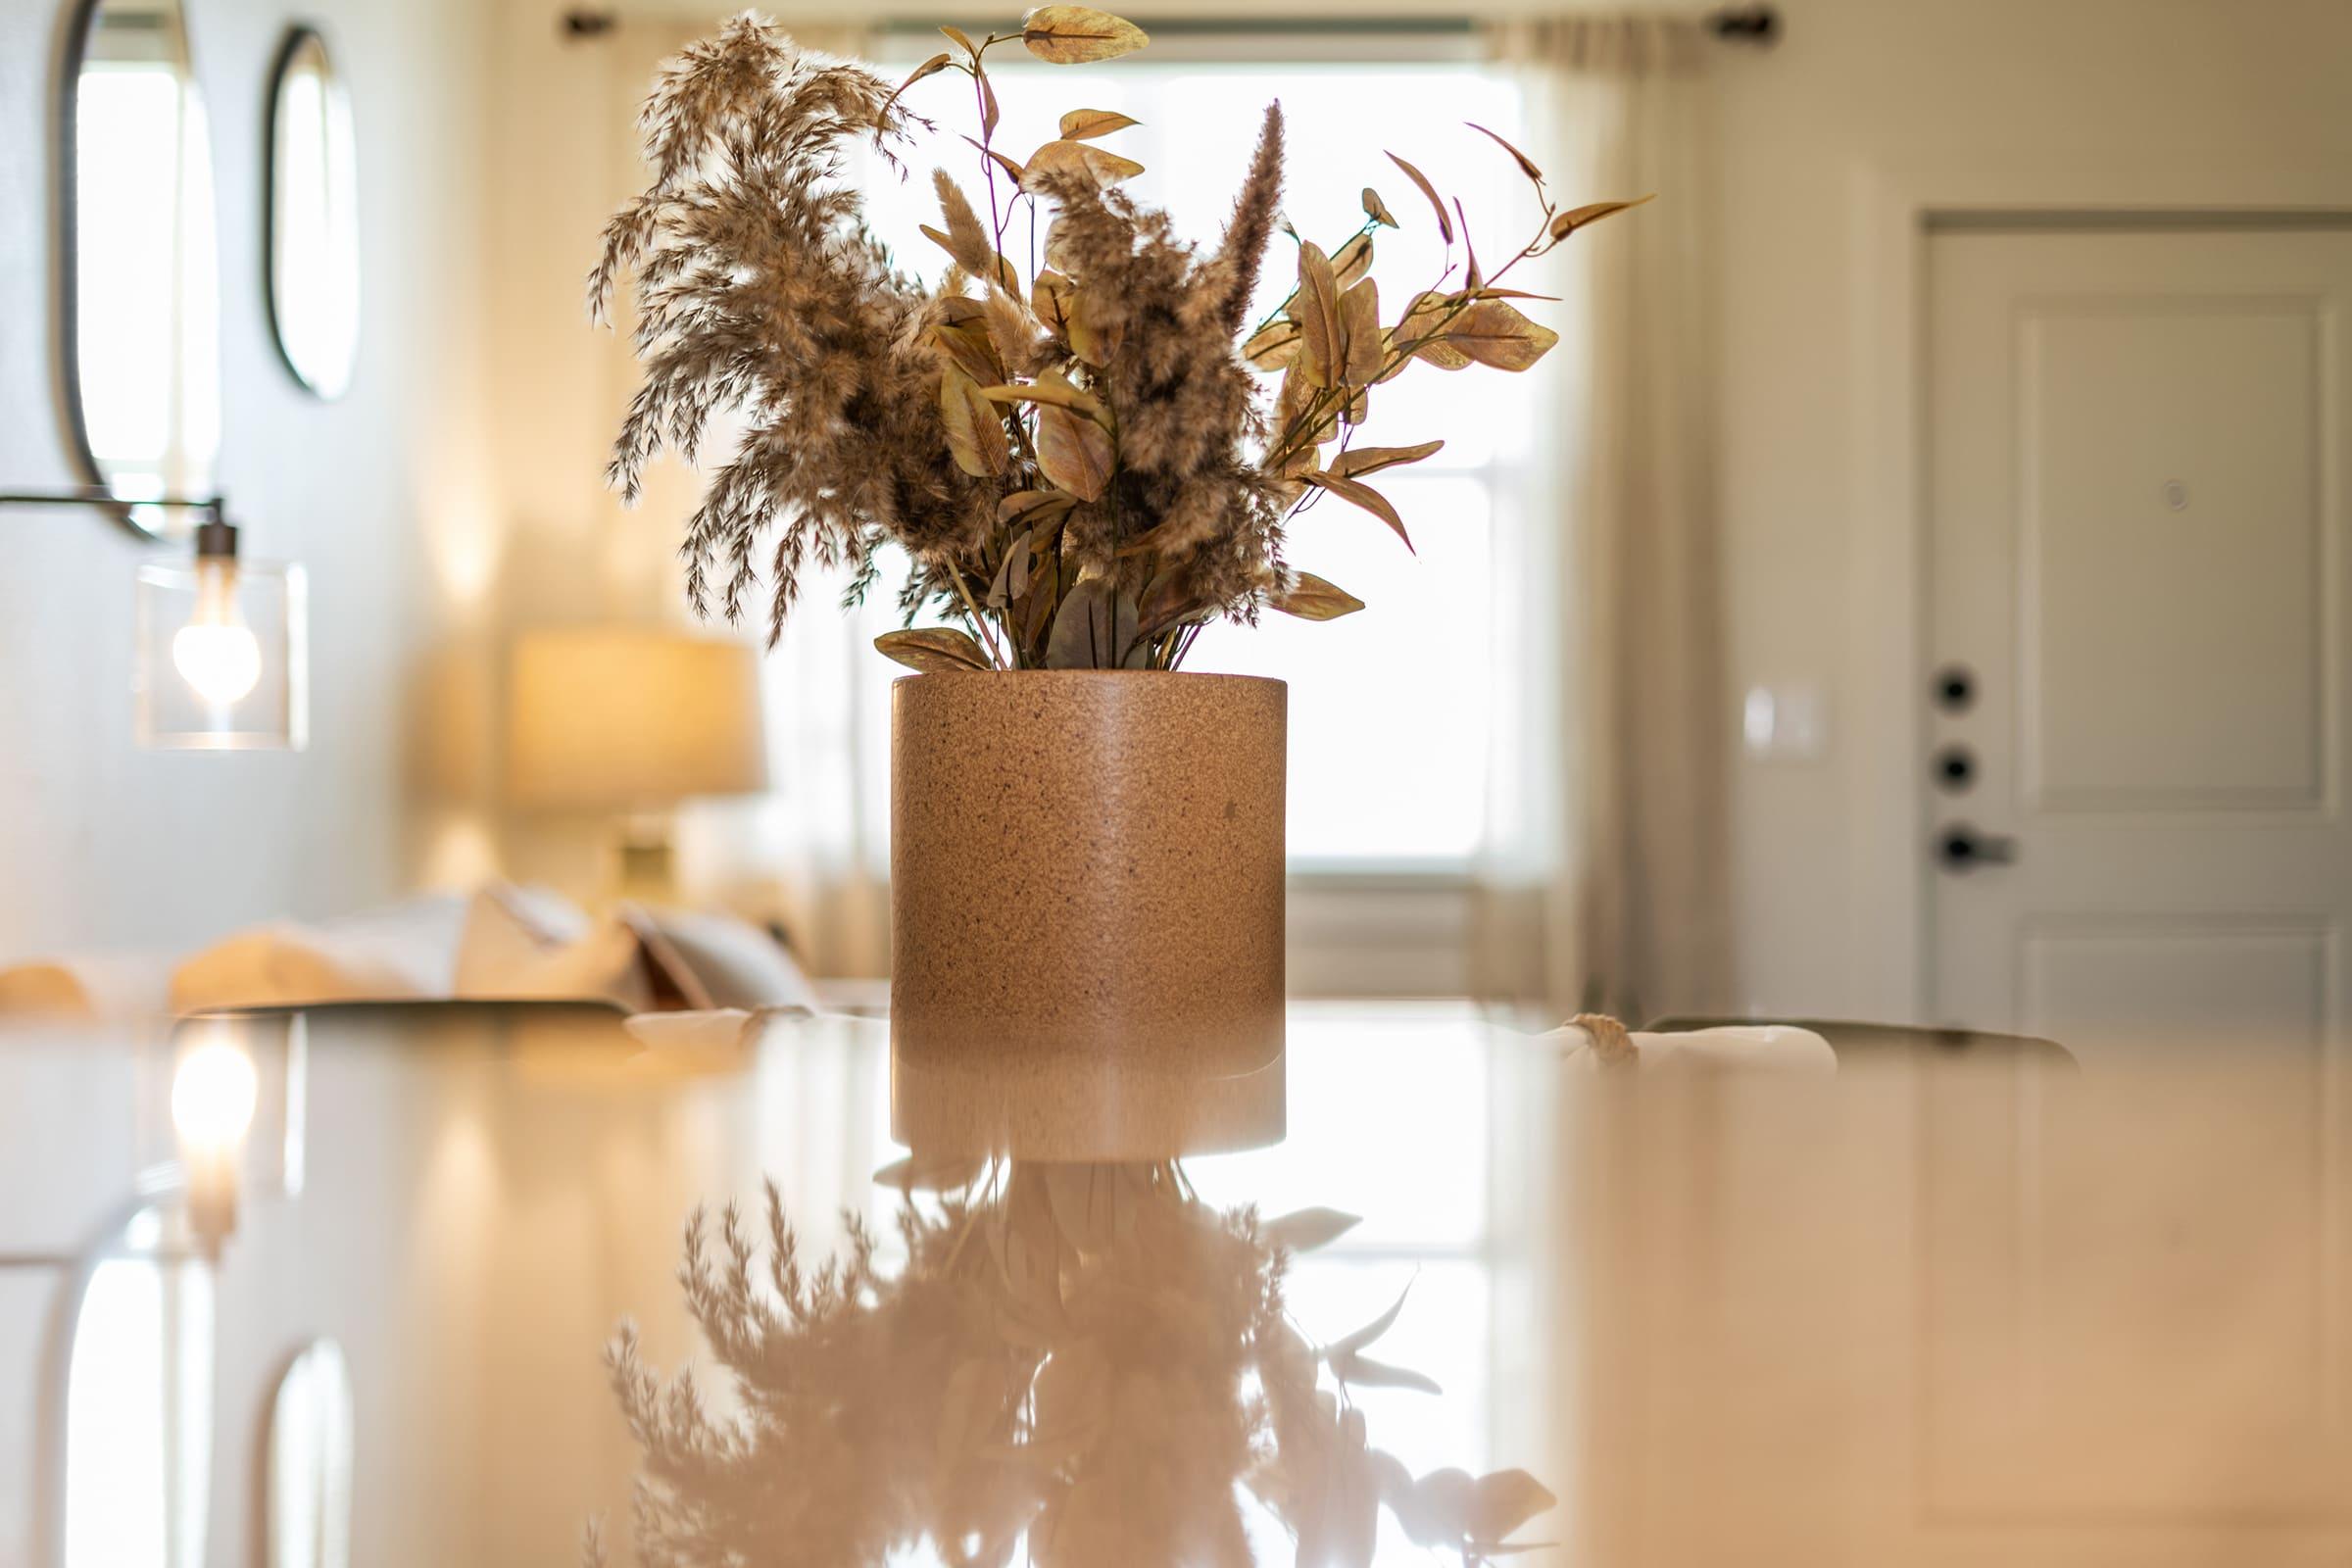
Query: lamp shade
(629, 718)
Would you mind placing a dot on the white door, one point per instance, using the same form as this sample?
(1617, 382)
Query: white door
(2136, 692)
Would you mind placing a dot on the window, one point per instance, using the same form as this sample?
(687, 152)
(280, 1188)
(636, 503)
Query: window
(1392, 711)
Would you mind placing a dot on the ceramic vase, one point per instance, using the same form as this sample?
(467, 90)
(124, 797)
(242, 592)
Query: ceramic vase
(1087, 865)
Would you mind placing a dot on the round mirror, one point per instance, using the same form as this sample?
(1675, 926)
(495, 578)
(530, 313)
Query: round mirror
(139, 1406)
(310, 1462)
(313, 217)
(141, 277)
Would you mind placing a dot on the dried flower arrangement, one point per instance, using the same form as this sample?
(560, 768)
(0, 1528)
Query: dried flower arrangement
(1086, 1357)
(1083, 470)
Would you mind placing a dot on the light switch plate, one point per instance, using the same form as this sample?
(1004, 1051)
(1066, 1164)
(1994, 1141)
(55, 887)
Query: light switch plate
(1786, 723)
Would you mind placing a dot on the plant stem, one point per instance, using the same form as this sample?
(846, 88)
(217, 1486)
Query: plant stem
(979, 620)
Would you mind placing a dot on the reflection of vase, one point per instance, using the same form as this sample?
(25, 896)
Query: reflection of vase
(1088, 861)
(1081, 1109)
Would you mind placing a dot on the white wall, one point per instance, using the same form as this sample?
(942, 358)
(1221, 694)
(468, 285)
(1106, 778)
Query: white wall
(381, 495)
(2116, 88)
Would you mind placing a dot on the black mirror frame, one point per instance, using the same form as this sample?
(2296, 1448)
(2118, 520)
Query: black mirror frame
(298, 33)
(80, 20)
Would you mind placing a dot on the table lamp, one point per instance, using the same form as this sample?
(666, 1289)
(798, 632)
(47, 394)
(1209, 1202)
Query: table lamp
(631, 720)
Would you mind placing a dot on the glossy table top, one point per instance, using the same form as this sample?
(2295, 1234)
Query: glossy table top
(1424, 1283)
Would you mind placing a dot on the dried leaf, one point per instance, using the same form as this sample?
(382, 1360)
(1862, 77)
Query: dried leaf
(1358, 462)
(1493, 333)
(1472, 278)
(1050, 297)
(1352, 261)
(1316, 307)
(1359, 330)
(960, 37)
(1051, 388)
(1436, 1512)
(1353, 1342)
(930, 66)
(1167, 601)
(1081, 124)
(968, 350)
(1010, 584)
(1311, 598)
(1032, 507)
(1526, 164)
(1423, 327)
(1019, 559)
(1489, 292)
(1501, 1502)
(1362, 1372)
(1305, 1229)
(1437, 202)
(989, 115)
(1568, 222)
(1072, 451)
(1364, 496)
(1069, 35)
(1377, 210)
(1273, 345)
(930, 649)
(1041, 612)
(976, 431)
(1099, 164)
(1096, 628)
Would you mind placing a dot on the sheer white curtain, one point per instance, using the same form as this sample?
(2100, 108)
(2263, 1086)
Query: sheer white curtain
(1606, 885)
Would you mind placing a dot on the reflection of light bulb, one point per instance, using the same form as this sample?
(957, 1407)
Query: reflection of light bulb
(211, 1099)
(214, 652)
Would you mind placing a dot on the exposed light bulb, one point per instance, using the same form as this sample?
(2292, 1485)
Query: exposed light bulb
(211, 1099)
(216, 652)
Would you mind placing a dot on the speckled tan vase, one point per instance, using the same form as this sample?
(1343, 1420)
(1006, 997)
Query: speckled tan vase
(1088, 862)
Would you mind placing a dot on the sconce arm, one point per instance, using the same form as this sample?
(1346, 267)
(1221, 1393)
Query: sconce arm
(211, 509)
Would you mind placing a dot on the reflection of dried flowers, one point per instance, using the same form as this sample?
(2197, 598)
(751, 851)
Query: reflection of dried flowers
(1080, 468)
(1083, 1356)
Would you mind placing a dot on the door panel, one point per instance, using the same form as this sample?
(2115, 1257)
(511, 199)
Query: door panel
(2170, 511)
(2137, 550)
(2099, 986)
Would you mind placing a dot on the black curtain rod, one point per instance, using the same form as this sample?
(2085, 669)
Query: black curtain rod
(1756, 24)
(1752, 23)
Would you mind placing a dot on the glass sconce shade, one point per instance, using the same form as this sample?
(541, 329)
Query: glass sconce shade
(223, 657)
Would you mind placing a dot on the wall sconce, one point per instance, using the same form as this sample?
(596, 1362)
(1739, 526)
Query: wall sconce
(214, 1088)
(223, 641)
